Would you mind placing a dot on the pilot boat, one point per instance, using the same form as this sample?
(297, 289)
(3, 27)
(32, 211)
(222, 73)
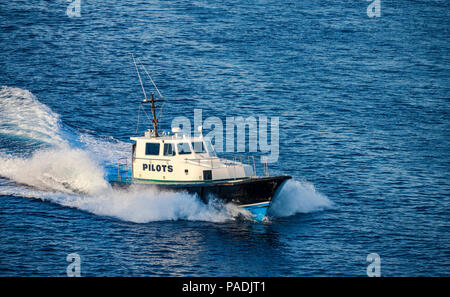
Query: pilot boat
(178, 162)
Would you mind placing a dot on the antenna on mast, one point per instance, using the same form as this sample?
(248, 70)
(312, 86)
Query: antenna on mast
(140, 80)
(157, 90)
(152, 99)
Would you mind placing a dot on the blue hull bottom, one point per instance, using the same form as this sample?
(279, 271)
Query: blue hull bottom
(258, 210)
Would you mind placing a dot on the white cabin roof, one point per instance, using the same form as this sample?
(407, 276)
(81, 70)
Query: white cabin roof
(166, 136)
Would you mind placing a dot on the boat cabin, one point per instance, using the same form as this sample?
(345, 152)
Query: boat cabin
(174, 158)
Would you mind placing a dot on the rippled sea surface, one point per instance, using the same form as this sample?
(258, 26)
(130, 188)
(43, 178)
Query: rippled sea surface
(363, 106)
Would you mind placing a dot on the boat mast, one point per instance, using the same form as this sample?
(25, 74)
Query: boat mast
(152, 99)
(152, 102)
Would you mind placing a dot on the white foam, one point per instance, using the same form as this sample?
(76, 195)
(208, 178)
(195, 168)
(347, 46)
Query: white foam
(65, 170)
(298, 197)
(105, 150)
(22, 115)
(150, 204)
(137, 205)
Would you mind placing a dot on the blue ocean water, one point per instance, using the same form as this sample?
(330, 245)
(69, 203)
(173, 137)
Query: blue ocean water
(363, 105)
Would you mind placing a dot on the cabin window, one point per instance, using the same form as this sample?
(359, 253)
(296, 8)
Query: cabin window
(152, 148)
(169, 149)
(183, 148)
(198, 147)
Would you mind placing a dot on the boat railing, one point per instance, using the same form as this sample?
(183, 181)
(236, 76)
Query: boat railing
(123, 166)
(215, 162)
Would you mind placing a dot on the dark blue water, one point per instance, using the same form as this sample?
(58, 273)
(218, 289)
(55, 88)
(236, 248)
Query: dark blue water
(363, 105)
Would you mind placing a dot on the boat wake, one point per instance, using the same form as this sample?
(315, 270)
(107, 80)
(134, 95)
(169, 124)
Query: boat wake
(42, 158)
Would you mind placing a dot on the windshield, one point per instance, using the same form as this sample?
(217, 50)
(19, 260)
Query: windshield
(198, 147)
(169, 149)
(183, 148)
